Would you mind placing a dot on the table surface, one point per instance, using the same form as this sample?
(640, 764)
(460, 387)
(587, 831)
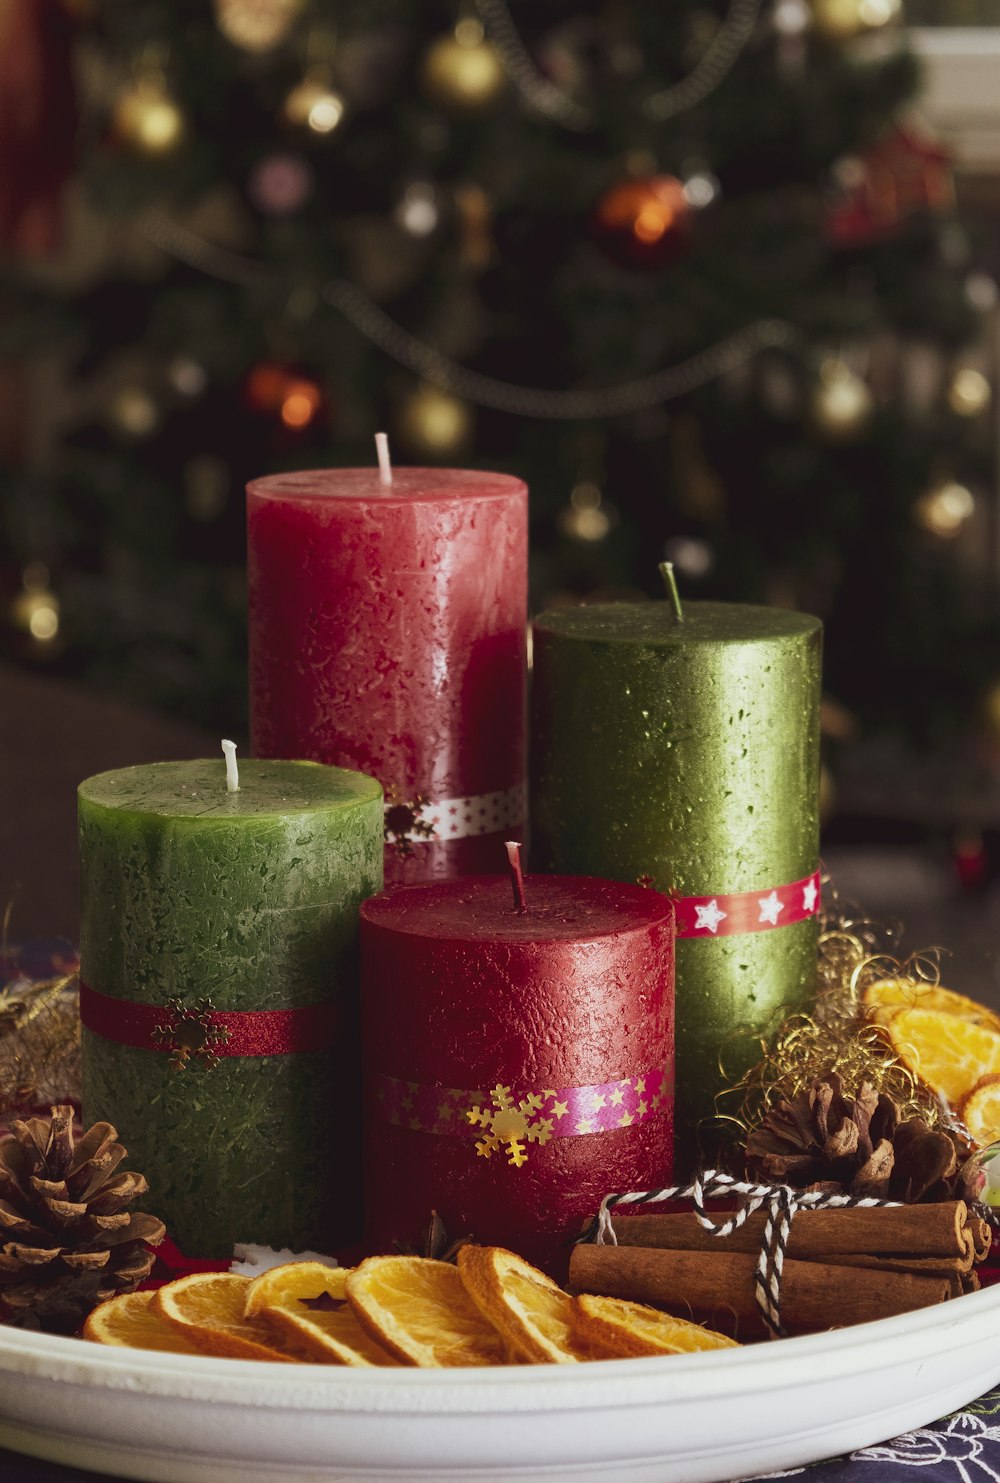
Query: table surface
(961, 1448)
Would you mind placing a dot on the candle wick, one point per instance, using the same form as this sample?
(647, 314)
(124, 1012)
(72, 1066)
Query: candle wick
(670, 582)
(513, 848)
(232, 771)
(384, 461)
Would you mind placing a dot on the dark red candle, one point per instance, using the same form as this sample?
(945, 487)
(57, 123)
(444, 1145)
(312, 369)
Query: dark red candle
(518, 1063)
(387, 634)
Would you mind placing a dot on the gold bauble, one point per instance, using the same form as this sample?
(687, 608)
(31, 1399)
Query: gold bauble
(969, 392)
(841, 403)
(133, 412)
(989, 708)
(206, 487)
(462, 72)
(432, 424)
(256, 25)
(586, 518)
(944, 509)
(839, 20)
(35, 609)
(147, 118)
(314, 105)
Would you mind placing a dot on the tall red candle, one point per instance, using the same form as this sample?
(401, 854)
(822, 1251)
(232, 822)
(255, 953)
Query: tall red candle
(518, 1064)
(387, 634)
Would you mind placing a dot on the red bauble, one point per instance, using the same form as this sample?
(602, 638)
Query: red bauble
(902, 175)
(291, 396)
(643, 223)
(37, 123)
(265, 386)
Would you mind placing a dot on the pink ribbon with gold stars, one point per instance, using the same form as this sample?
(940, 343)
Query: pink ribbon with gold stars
(563, 1112)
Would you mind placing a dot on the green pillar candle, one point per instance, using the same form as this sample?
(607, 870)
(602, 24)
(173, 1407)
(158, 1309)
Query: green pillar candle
(242, 1114)
(683, 748)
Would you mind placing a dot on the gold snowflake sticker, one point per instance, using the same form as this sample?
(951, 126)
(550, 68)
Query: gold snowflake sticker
(187, 1031)
(510, 1126)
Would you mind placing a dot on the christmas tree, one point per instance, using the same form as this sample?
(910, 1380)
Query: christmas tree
(692, 270)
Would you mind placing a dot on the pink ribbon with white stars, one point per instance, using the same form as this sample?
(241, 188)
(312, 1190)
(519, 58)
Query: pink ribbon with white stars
(748, 911)
(568, 1111)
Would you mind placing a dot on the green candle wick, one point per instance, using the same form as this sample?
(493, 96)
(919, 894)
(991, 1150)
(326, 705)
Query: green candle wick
(232, 770)
(670, 582)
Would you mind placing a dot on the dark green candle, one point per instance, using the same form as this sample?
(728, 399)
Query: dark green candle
(242, 1113)
(685, 750)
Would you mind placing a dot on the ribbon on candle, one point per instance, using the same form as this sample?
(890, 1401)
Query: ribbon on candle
(243, 1032)
(419, 820)
(748, 911)
(564, 1112)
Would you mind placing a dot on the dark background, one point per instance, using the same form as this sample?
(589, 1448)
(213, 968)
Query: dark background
(244, 236)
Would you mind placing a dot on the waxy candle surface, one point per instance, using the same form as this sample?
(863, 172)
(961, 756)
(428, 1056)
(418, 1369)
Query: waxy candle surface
(570, 1002)
(387, 633)
(687, 752)
(248, 899)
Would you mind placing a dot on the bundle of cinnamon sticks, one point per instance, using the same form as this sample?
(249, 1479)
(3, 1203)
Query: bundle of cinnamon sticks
(842, 1266)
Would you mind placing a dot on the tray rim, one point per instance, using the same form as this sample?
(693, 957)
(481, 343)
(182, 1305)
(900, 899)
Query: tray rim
(633, 1382)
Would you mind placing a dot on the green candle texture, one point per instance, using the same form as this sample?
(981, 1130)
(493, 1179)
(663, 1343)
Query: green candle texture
(248, 899)
(687, 751)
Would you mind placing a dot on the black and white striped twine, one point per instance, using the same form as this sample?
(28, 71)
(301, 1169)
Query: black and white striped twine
(781, 1202)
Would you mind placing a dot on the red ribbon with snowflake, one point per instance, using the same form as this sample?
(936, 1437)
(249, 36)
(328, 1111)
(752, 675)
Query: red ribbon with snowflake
(748, 911)
(198, 1031)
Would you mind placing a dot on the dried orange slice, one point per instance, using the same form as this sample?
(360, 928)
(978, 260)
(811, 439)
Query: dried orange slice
(531, 1311)
(420, 1311)
(305, 1303)
(207, 1308)
(950, 1055)
(612, 1328)
(279, 1287)
(980, 1110)
(884, 998)
(132, 1322)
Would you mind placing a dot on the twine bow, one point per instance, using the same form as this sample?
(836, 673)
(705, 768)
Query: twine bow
(781, 1202)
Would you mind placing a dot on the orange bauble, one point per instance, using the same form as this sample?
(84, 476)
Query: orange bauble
(644, 223)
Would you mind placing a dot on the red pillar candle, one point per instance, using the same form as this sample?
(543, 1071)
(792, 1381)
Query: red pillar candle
(387, 634)
(518, 1064)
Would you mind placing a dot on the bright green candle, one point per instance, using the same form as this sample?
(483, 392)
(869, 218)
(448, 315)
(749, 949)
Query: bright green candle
(242, 1113)
(686, 750)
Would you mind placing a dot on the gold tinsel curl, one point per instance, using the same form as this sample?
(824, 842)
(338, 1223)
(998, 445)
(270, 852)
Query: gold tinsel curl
(837, 1035)
(39, 1044)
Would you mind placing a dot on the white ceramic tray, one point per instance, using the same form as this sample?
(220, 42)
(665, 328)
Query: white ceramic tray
(689, 1419)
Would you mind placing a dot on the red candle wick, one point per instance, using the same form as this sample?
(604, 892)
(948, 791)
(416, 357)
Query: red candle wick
(513, 848)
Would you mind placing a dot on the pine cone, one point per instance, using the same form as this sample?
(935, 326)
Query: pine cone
(856, 1145)
(66, 1238)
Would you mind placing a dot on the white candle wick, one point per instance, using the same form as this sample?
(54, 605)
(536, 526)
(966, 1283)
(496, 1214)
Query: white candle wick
(232, 771)
(384, 461)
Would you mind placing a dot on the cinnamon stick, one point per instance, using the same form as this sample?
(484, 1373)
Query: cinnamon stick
(921, 1265)
(916, 1230)
(814, 1295)
(982, 1236)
